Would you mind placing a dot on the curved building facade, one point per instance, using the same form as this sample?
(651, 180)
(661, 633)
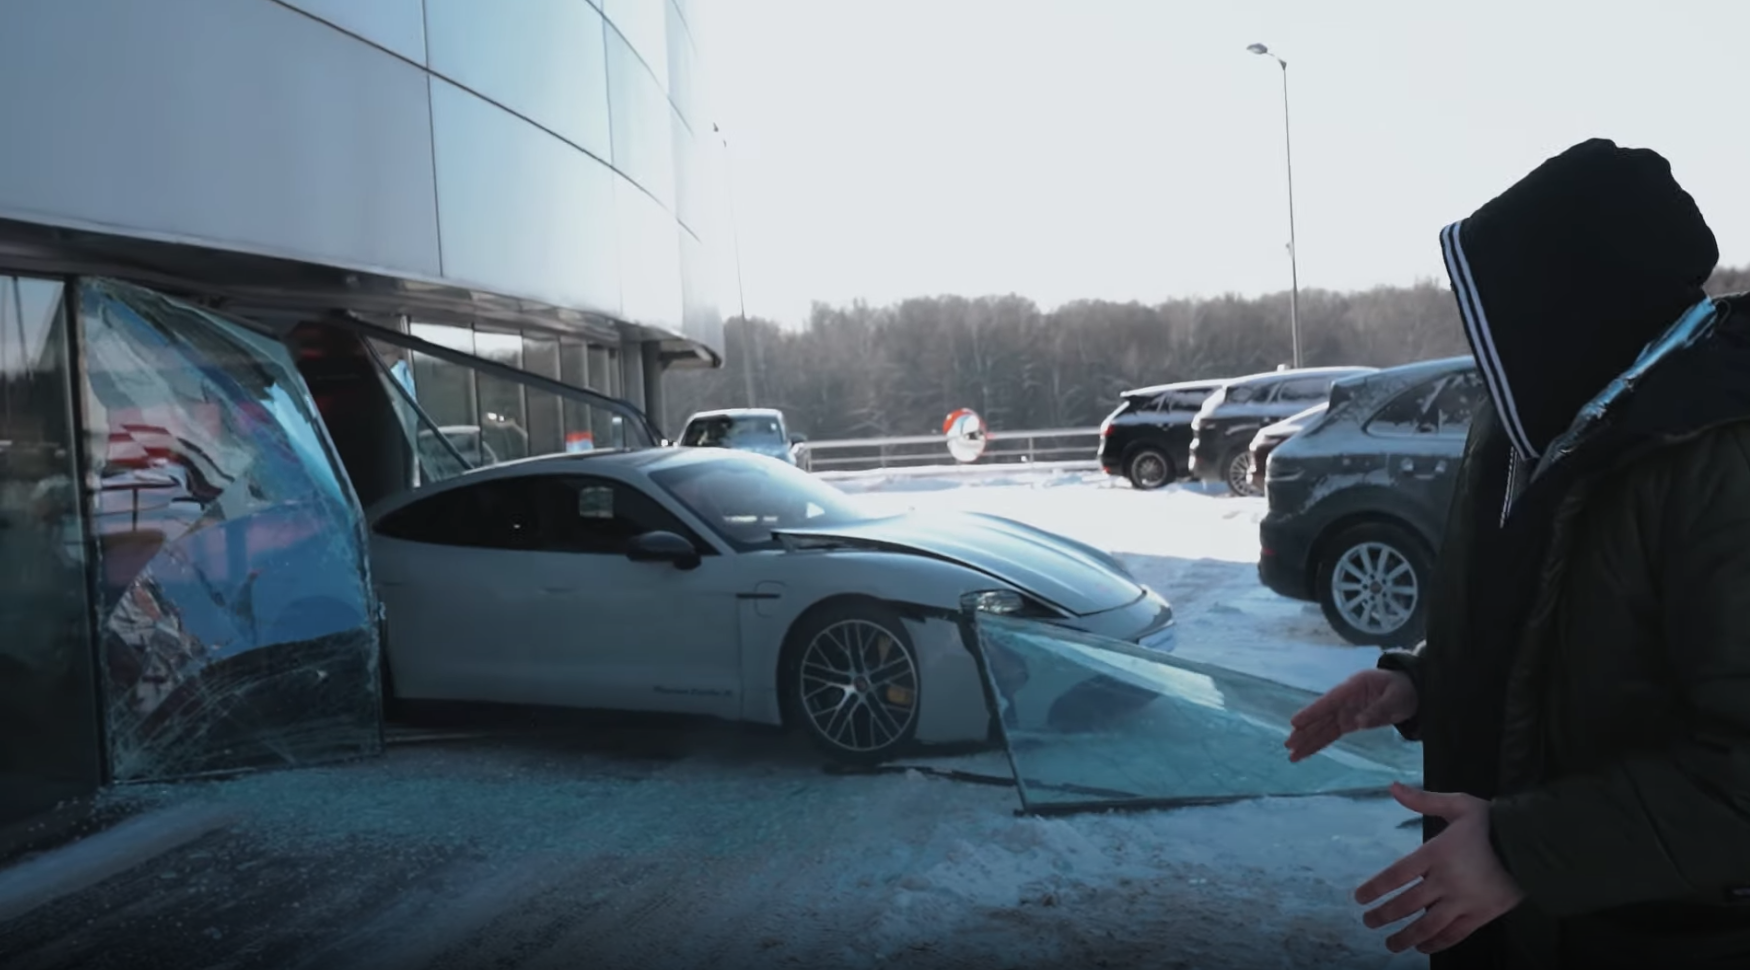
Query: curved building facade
(265, 262)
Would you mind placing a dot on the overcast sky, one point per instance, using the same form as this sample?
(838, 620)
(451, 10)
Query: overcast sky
(1133, 149)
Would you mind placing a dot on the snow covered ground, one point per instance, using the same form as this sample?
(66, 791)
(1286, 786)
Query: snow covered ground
(728, 849)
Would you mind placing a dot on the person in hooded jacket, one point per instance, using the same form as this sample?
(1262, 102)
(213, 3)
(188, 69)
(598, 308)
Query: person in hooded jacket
(1583, 692)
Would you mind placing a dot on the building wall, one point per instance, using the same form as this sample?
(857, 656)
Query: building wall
(553, 151)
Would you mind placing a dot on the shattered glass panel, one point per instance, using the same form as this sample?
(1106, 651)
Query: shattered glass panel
(1090, 722)
(238, 627)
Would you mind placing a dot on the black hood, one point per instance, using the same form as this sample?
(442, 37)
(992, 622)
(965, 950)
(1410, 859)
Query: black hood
(1563, 279)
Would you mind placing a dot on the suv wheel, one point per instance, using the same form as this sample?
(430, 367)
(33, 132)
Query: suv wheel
(1239, 473)
(1372, 584)
(1149, 469)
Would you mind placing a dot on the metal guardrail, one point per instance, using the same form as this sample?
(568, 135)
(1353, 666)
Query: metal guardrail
(1001, 447)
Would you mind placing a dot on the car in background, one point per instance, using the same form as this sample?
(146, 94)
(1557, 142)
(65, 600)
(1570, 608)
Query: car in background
(1222, 431)
(1271, 435)
(711, 581)
(760, 430)
(1358, 498)
(1148, 437)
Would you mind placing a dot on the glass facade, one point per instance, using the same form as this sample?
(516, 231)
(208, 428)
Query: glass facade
(50, 747)
(236, 620)
(489, 419)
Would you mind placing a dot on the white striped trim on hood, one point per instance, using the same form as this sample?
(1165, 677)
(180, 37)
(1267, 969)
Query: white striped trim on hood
(1482, 342)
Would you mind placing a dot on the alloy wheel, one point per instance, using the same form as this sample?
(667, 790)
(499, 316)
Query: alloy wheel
(1239, 474)
(1375, 588)
(858, 686)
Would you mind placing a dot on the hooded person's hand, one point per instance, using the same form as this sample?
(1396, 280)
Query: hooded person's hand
(1459, 882)
(1368, 699)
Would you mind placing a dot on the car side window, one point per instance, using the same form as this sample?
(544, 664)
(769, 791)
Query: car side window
(601, 516)
(1442, 406)
(496, 514)
(1308, 390)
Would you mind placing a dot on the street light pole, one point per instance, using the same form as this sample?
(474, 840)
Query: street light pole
(1293, 253)
(740, 290)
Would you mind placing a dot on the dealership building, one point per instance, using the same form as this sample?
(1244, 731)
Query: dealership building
(266, 262)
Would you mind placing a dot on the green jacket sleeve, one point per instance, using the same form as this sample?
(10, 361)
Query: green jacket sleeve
(1672, 821)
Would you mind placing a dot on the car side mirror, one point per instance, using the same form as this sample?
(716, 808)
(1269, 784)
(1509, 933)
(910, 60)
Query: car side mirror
(666, 547)
(798, 439)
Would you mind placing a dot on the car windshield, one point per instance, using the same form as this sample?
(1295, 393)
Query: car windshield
(745, 498)
(734, 431)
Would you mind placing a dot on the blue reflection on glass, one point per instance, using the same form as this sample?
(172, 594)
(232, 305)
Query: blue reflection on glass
(1088, 721)
(237, 612)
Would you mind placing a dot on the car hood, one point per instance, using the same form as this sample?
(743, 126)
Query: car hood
(1058, 570)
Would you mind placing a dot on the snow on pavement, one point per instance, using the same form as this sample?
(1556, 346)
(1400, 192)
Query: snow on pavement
(743, 854)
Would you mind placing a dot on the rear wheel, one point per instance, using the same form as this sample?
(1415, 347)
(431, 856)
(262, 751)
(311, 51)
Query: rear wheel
(851, 682)
(1372, 585)
(1149, 468)
(1239, 473)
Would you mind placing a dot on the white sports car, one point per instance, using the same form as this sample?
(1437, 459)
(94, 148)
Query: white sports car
(719, 582)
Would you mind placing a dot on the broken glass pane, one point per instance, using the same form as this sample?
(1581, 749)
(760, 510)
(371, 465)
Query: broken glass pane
(1090, 722)
(238, 627)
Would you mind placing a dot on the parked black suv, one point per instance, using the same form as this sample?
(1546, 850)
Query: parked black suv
(1147, 438)
(1221, 434)
(1358, 498)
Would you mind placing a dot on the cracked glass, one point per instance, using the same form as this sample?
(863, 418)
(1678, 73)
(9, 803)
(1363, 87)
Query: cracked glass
(1090, 723)
(237, 624)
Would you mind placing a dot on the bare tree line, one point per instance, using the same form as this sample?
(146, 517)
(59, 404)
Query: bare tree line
(861, 370)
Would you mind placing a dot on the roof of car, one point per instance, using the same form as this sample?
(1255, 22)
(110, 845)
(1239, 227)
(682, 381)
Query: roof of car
(1418, 368)
(1264, 377)
(736, 413)
(1155, 389)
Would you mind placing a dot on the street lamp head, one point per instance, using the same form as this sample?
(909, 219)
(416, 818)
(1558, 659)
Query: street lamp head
(1258, 48)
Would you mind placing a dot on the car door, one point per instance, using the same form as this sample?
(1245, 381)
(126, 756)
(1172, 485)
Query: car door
(457, 574)
(1423, 429)
(631, 635)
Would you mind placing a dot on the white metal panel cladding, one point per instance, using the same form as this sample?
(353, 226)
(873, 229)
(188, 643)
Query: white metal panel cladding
(239, 125)
(349, 135)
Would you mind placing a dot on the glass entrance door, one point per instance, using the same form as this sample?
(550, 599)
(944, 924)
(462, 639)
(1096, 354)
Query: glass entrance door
(50, 746)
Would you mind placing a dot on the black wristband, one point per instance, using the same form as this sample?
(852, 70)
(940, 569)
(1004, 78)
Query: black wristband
(1409, 664)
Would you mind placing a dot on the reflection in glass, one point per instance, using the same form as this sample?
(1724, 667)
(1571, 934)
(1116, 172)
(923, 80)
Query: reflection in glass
(1090, 722)
(503, 419)
(238, 627)
(49, 747)
(546, 417)
(438, 458)
(446, 390)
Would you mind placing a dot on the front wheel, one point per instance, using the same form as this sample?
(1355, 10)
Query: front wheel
(851, 682)
(1372, 585)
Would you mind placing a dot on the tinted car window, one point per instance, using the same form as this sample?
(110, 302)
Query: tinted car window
(1442, 406)
(1308, 389)
(731, 432)
(597, 515)
(1184, 400)
(499, 514)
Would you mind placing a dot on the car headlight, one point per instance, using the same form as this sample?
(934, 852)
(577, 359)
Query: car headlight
(1006, 602)
(996, 601)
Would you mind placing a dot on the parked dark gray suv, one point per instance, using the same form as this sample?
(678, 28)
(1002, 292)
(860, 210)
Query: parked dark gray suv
(1221, 434)
(1358, 498)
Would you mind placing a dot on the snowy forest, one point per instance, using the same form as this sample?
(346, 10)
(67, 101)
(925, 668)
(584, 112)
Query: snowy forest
(865, 371)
